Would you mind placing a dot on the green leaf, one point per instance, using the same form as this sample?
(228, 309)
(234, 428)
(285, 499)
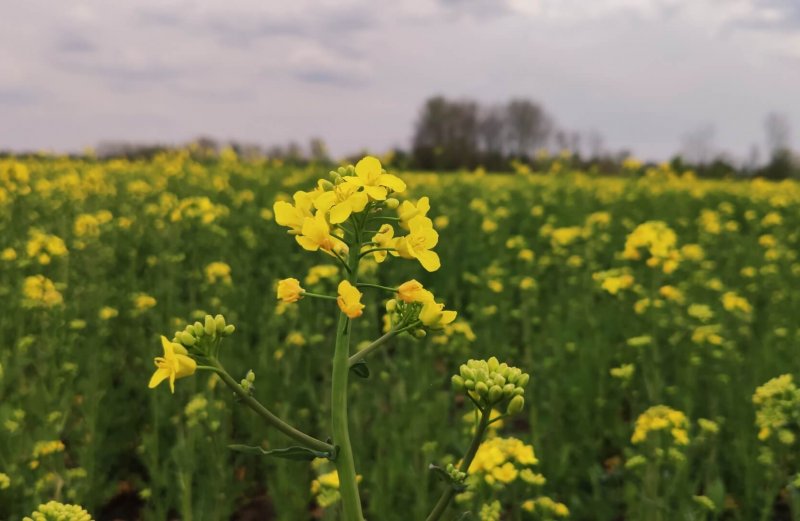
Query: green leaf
(293, 453)
(360, 369)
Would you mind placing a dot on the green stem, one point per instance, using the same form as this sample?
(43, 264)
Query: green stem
(317, 295)
(447, 495)
(376, 286)
(373, 250)
(300, 437)
(345, 463)
(379, 342)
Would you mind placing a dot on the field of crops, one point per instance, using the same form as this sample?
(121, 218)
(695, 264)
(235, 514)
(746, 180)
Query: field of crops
(649, 310)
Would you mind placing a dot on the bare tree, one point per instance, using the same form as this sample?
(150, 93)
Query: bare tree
(446, 134)
(698, 145)
(528, 126)
(778, 132)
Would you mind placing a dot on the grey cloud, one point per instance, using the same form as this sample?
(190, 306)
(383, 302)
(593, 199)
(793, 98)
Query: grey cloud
(780, 15)
(69, 42)
(16, 96)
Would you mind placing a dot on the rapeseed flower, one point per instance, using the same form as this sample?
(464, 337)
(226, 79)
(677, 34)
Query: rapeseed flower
(418, 243)
(349, 300)
(289, 290)
(176, 363)
(376, 183)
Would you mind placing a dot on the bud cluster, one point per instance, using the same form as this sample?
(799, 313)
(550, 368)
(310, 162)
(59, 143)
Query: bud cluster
(456, 475)
(200, 336)
(403, 313)
(248, 381)
(492, 384)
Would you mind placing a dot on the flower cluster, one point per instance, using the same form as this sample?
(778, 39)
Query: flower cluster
(503, 460)
(660, 242)
(778, 409)
(492, 384)
(55, 511)
(414, 303)
(661, 418)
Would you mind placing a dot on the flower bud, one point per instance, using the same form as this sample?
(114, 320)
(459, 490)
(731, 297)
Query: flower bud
(391, 305)
(419, 333)
(220, 323)
(522, 381)
(495, 393)
(229, 329)
(458, 382)
(392, 203)
(251, 376)
(469, 384)
(186, 338)
(210, 327)
(508, 390)
(198, 329)
(325, 184)
(481, 388)
(515, 405)
(493, 364)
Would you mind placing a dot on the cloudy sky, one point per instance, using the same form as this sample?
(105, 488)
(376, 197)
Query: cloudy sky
(644, 73)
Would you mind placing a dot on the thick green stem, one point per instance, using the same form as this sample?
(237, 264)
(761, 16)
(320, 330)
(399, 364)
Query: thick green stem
(372, 347)
(299, 436)
(345, 464)
(447, 495)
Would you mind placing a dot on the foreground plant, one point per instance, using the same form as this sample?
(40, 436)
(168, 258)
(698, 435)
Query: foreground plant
(348, 219)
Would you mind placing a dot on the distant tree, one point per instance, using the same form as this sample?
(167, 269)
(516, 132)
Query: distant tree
(528, 127)
(318, 151)
(492, 134)
(446, 134)
(781, 163)
(698, 145)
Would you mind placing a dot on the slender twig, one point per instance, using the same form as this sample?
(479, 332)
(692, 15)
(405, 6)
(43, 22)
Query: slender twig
(447, 495)
(317, 295)
(373, 250)
(246, 398)
(376, 286)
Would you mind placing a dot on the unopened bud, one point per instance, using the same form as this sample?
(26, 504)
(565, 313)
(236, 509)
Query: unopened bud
(458, 382)
(522, 381)
(508, 390)
(495, 393)
(481, 388)
(210, 327)
(392, 203)
(325, 184)
(219, 321)
(186, 338)
(515, 405)
(469, 384)
(229, 329)
(251, 376)
(391, 305)
(419, 333)
(198, 329)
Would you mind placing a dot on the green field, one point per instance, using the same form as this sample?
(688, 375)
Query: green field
(615, 294)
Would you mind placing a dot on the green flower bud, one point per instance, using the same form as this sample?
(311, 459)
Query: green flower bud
(211, 326)
(251, 376)
(481, 388)
(508, 390)
(229, 329)
(515, 405)
(219, 321)
(469, 384)
(392, 203)
(499, 380)
(458, 382)
(186, 339)
(493, 364)
(391, 305)
(466, 372)
(522, 381)
(495, 393)
(420, 333)
(325, 184)
(198, 329)
(519, 391)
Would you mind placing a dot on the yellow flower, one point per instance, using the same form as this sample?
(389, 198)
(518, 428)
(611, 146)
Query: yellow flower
(343, 200)
(289, 290)
(369, 175)
(143, 301)
(107, 313)
(316, 234)
(409, 210)
(505, 473)
(383, 239)
(39, 291)
(418, 243)
(434, 316)
(173, 365)
(349, 300)
(294, 216)
(218, 272)
(413, 291)
(8, 254)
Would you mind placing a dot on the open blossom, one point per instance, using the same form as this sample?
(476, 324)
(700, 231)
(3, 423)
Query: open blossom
(369, 175)
(344, 200)
(409, 210)
(294, 216)
(418, 243)
(289, 290)
(316, 234)
(175, 364)
(434, 316)
(349, 300)
(383, 239)
(413, 291)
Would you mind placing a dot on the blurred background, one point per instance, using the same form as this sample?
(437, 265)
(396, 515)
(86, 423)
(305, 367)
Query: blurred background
(709, 80)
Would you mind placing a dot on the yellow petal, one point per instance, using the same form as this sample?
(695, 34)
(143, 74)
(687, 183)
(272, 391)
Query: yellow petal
(307, 243)
(368, 168)
(158, 377)
(340, 212)
(393, 182)
(376, 192)
(429, 260)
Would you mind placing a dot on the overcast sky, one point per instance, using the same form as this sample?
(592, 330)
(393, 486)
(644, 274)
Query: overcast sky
(644, 73)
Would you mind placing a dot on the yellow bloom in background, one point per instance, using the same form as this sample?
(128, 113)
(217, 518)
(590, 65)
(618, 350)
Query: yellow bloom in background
(733, 302)
(218, 272)
(370, 176)
(341, 202)
(289, 290)
(412, 291)
(107, 313)
(8, 255)
(173, 365)
(349, 300)
(409, 210)
(661, 418)
(143, 302)
(316, 234)
(41, 292)
(418, 243)
(322, 271)
(55, 511)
